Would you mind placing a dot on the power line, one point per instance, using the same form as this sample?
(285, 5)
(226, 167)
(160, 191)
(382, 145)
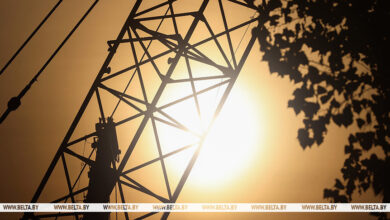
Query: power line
(29, 37)
(15, 102)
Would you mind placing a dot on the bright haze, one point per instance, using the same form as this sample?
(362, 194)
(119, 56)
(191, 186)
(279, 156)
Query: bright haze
(251, 152)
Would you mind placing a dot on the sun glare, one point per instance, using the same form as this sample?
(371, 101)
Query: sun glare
(230, 145)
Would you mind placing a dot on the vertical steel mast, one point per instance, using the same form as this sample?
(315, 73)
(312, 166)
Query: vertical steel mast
(152, 94)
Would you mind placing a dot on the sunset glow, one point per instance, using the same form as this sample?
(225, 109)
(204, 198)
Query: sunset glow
(232, 142)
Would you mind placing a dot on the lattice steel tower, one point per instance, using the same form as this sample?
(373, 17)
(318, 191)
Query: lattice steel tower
(165, 79)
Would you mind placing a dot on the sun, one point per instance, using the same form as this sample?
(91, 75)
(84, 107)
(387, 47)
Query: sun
(231, 143)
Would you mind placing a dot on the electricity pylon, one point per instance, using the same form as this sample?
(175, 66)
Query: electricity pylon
(163, 83)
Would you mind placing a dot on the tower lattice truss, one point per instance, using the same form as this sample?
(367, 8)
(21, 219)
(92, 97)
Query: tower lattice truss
(142, 125)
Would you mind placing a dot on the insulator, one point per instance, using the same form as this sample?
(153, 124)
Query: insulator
(14, 103)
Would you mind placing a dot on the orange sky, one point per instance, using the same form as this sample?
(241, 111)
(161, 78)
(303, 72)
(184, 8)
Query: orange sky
(279, 171)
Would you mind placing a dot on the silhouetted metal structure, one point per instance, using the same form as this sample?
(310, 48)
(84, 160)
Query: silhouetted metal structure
(180, 47)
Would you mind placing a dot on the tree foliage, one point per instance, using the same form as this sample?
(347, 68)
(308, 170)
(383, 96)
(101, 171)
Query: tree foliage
(336, 54)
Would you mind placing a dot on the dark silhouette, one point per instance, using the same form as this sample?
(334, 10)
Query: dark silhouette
(109, 170)
(335, 52)
(15, 102)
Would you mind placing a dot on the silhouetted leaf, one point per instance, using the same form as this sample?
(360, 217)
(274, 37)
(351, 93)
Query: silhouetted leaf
(292, 104)
(350, 187)
(338, 184)
(273, 4)
(365, 139)
(348, 48)
(356, 106)
(338, 119)
(345, 118)
(348, 149)
(355, 154)
(304, 139)
(319, 129)
(326, 97)
(360, 122)
(295, 76)
(321, 90)
(329, 193)
(335, 104)
(368, 118)
(297, 27)
(310, 108)
(352, 139)
(274, 19)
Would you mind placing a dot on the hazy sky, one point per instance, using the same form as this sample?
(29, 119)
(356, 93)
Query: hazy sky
(278, 169)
